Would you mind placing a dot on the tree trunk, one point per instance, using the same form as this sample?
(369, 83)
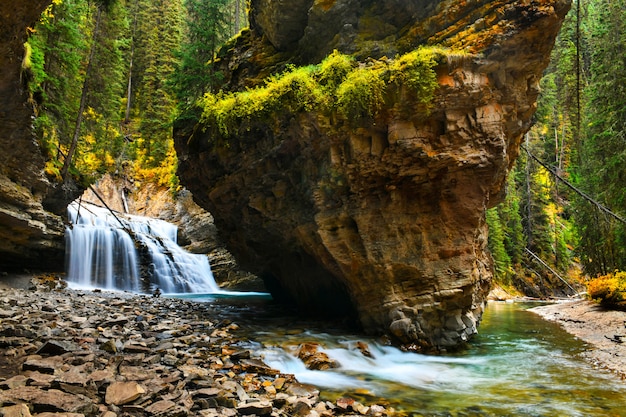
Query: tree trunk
(83, 99)
(237, 17)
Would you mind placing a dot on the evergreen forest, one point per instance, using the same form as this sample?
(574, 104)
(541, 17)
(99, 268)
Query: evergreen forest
(109, 77)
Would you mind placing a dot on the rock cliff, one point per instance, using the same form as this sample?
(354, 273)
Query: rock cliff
(381, 217)
(30, 236)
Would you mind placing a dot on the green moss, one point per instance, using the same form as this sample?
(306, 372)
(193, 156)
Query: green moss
(337, 85)
(362, 93)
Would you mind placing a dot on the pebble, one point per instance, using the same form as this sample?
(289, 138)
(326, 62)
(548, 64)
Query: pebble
(79, 353)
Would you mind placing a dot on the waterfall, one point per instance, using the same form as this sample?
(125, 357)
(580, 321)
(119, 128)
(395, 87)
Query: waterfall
(131, 253)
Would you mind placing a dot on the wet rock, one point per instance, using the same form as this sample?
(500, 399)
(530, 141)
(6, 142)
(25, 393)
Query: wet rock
(301, 408)
(364, 349)
(257, 366)
(313, 359)
(302, 390)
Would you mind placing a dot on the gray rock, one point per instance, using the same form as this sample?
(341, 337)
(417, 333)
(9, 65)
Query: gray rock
(259, 408)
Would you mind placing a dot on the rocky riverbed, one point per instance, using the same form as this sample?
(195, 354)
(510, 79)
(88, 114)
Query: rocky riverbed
(72, 353)
(604, 330)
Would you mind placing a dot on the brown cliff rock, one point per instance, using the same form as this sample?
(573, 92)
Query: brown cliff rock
(30, 236)
(385, 218)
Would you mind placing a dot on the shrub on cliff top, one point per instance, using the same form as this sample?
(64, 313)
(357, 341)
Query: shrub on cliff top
(337, 85)
(609, 290)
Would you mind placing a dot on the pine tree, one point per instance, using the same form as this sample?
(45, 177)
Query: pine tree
(58, 49)
(208, 28)
(603, 154)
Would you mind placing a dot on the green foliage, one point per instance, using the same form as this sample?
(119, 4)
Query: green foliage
(334, 69)
(59, 45)
(362, 93)
(609, 290)
(208, 23)
(338, 84)
(415, 71)
(502, 260)
(157, 37)
(130, 100)
(601, 171)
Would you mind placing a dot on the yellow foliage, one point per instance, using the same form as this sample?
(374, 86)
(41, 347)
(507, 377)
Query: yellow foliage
(28, 52)
(609, 290)
(162, 175)
(91, 162)
(52, 169)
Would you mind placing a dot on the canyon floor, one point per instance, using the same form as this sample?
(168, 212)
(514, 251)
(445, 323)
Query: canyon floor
(77, 353)
(81, 353)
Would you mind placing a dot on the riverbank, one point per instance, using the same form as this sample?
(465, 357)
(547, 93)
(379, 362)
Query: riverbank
(604, 330)
(83, 353)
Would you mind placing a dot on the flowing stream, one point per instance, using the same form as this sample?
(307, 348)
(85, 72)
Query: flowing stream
(518, 365)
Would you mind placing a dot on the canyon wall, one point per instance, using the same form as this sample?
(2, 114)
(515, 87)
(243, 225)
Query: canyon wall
(30, 236)
(384, 219)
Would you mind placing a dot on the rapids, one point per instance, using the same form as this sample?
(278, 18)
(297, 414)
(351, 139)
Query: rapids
(518, 365)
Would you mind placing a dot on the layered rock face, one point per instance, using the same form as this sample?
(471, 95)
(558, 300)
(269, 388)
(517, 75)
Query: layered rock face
(30, 236)
(383, 219)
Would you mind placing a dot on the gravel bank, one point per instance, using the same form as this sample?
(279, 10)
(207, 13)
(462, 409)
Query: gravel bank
(604, 330)
(72, 353)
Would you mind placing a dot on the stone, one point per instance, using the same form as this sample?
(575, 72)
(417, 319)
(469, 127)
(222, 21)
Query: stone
(259, 408)
(37, 379)
(257, 366)
(386, 215)
(43, 365)
(160, 407)
(18, 410)
(13, 382)
(51, 399)
(313, 359)
(302, 390)
(91, 381)
(301, 408)
(31, 226)
(48, 414)
(120, 393)
(56, 347)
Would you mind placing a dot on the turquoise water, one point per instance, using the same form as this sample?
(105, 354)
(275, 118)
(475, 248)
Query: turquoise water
(518, 365)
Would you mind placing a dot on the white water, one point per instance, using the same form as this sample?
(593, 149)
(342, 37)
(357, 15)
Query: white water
(386, 364)
(519, 365)
(102, 254)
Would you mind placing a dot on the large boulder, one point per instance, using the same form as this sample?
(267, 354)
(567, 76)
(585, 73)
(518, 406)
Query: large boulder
(382, 219)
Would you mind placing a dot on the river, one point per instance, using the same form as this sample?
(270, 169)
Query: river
(518, 365)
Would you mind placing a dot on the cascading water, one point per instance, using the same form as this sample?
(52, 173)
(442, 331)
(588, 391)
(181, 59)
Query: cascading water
(131, 253)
